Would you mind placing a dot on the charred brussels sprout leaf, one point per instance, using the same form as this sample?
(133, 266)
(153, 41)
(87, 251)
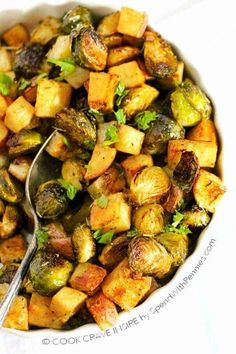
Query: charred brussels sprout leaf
(49, 272)
(113, 253)
(24, 142)
(189, 104)
(10, 189)
(51, 200)
(79, 15)
(28, 60)
(186, 171)
(160, 132)
(195, 217)
(78, 126)
(88, 49)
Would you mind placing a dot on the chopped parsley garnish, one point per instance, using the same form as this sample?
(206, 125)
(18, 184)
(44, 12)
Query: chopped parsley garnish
(176, 225)
(120, 116)
(121, 92)
(70, 189)
(102, 237)
(111, 135)
(41, 236)
(132, 233)
(67, 142)
(143, 119)
(5, 84)
(95, 112)
(23, 84)
(67, 65)
(102, 202)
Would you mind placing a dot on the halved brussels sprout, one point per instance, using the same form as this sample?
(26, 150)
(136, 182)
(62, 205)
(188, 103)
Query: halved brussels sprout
(195, 217)
(149, 185)
(160, 132)
(28, 60)
(49, 272)
(84, 243)
(186, 171)
(113, 253)
(73, 172)
(189, 104)
(174, 199)
(77, 126)
(79, 15)
(24, 142)
(10, 221)
(176, 244)
(88, 49)
(51, 200)
(148, 219)
(149, 257)
(10, 189)
(159, 57)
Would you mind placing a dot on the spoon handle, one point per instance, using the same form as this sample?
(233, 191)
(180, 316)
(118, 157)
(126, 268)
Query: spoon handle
(17, 280)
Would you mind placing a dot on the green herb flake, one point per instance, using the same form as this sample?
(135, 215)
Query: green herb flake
(70, 189)
(121, 92)
(120, 116)
(23, 84)
(42, 237)
(67, 65)
(132, 233)
(102, 202)
(111, 135)
(103, 238)
(67, 142)
(5, 84)
(95, 112)
(143, 119)
(176, 225)
(177, 218)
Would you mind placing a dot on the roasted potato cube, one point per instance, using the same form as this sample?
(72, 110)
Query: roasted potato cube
(5, 60)
(133, 164)
(205, 151)
(16, 35)
(57, 147)
(46, 30)
(130, 140)
(61, 49)
(142, 67)
(101, 92)
(112, 41)
(102, 129)
(40, 314)
(5, 101)
(204, 131)
(10, 221)
(132, 22)
(59, 240)
(108, 24)
(30, 94)
(123, 288)
(19, 114)
(121, 55)
(12, 249)
(116, 216)
(78, 77)
(208, 190)
(67, 302)
(103, 310)
(101, 160)
(52, 96)
(138, 99)
(3, 133)
(19, 168)
(129, 74)
(87, 277)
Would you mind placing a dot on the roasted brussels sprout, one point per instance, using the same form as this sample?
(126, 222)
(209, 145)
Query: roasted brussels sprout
(186, 171)
(7, 272)
(195, 217)
(174, 198)
(160, 60)
(84, 243)
(189, 104)
(78, 126)
(10, 221)
(51, 200)
(73, 171)
(113, 253)
(88, 49)
(24, 142)
(79, 15)
(160, 132)
(149, 257)
(149, 185)
(148, 219)
(49, 272)
(176, 244)
(28, 60)
(10, 189)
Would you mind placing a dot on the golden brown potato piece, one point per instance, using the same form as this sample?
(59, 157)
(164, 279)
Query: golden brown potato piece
(113, 253)
(208, 190)
(46, 30)
(170, 82)
(3, 133)
(87, 277)
(129, 73)
(204, 131)
(61, 49)
(19, 115)
(103, 311)
(5, 101)
(116, 216)
(130, 140)
(5, 61)
(205, 151)
(133, 164)
(16, 35)
(108, 24)
(12, 249)
(121, 55)
(57, 147)
(101, 160)
(132, 22)
(124, 288)
(101, 94)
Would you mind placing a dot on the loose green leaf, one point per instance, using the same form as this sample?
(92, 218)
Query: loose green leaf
(132, 233)
(95, 112)
(102, 202)
(120, 116)
(42, 237)
(176, 225)
(5, 84)
(143, 119)
(70, 189)
(103, 238)
(177, 218)
(67, 65)
(23, 84)
(67, 143)
(111, 135)
(121, 92)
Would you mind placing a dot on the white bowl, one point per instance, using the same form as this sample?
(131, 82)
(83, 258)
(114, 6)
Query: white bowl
(196, 46)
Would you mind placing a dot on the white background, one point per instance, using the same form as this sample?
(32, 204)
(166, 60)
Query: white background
(201, 319)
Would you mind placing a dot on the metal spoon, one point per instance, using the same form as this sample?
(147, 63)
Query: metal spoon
(43, 168)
